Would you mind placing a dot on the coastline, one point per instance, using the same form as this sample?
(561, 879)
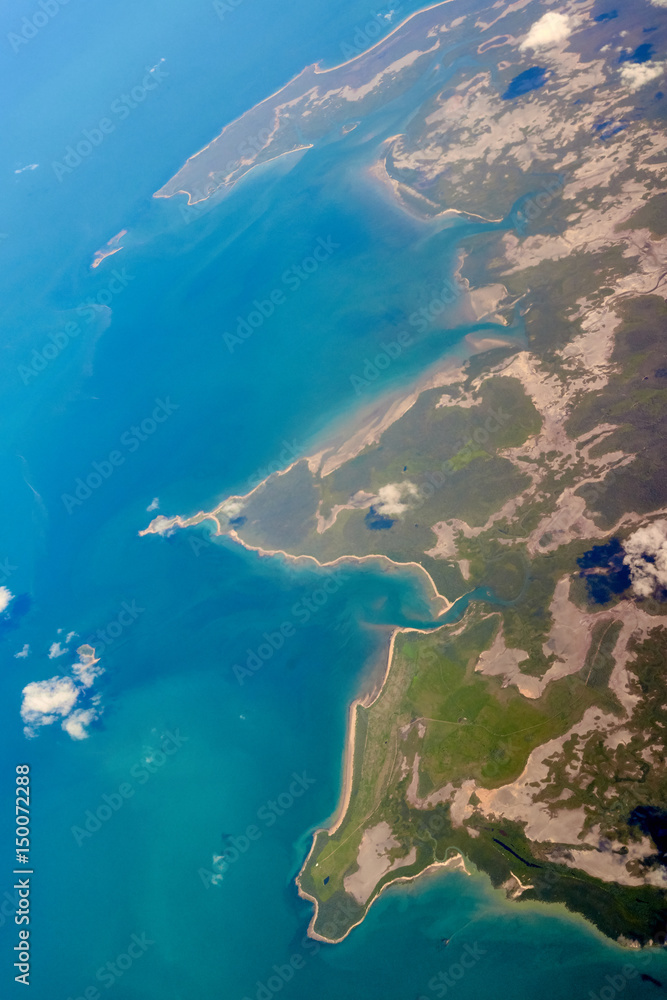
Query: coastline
(111, 247)
(318, 68)
(455, 863)
(354, 434)
(179, 522)
(348, 436)
(364, 701)
(199, 169)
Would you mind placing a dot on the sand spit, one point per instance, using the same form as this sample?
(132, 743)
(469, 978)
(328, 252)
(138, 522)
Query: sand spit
(305, 109)
(111, 247)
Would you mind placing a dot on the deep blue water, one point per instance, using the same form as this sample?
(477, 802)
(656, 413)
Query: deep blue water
(202, 608)
(377, 522)
(530, 79)
(652, 821)
(641, 54)
(604, 571)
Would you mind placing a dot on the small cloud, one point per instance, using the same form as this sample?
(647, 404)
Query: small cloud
(22, 653)
(232, 508)
(659, 3)
(29, 166)
(76, 723)
(549, 30)
(70, 636)
(85, 669)
(46, 701)
(55, 650)
(392, 498)
(219, 866)
(646, 557)
(637, 75)
(154, 504)
(162, 525)
(5, 597)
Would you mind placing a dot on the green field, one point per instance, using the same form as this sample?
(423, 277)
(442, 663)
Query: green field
(474, 728)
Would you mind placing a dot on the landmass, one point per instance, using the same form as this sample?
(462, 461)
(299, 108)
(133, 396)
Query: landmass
(111, 247)
(523, 734)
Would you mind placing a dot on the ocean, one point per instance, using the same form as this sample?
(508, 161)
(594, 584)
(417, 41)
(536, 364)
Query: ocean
(128, 824)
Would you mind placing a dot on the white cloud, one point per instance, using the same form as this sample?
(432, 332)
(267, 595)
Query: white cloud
(155, 503)
(163, 525)
(5, 597)
(45, 701)
(70, 636)
(55, 650)
(637, 75)
(646, 556)
(28, 166)
(75, 724)
(232, 507)
(659, 3)
(391, 498)
(22, 653)
(219, 865)
(85, 670)
(549, 30)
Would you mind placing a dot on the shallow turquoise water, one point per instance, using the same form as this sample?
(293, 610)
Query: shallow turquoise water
(144, 871)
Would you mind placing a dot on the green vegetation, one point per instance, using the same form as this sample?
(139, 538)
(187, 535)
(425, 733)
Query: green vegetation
(458, 724)
(635, 399)
(445, 458)
(652, 216)
(438, 722)
(610, 781)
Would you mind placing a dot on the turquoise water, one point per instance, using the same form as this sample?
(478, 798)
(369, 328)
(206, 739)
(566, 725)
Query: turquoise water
(199, 609)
